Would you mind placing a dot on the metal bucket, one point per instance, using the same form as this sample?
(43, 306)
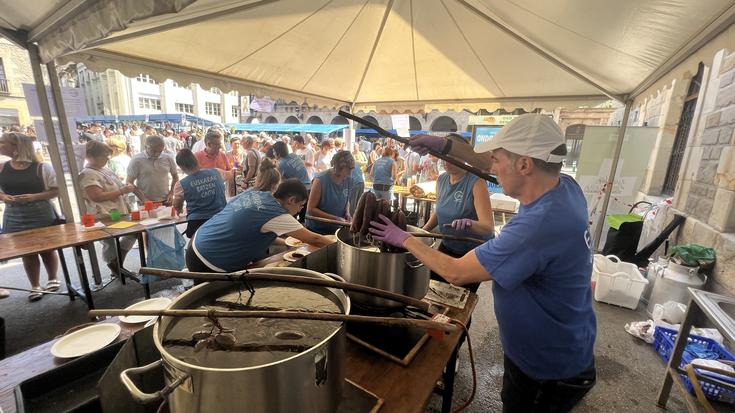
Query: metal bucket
(398, 272)
(309, 381)
(671, 283)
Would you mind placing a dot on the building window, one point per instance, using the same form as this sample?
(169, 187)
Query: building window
(211, 108)
(215, 90)
(145, 79)
(149, 103)
(682, 133)
(235, 111)
(3, 79)
(184, 108)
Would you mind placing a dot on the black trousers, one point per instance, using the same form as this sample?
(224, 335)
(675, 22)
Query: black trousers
(434, 276)
(193, 263)
(523, 394)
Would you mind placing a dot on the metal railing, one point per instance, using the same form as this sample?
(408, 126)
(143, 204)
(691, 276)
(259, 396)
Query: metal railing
(4, 86)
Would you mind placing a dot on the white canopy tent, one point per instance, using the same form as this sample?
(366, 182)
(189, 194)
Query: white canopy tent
(383, 55)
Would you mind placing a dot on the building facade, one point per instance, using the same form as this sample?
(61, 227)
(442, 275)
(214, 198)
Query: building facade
(15, 70)
(112, 93)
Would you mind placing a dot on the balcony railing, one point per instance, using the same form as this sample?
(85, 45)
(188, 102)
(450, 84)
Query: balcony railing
(4, 86)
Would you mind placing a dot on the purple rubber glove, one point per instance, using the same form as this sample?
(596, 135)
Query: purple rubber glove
(421, 144)
(462, 224)
(388, 232)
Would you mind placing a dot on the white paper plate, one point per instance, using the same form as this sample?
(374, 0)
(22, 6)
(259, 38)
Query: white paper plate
(86, 340)
(159, 303)
(293, 242)
(293, 256)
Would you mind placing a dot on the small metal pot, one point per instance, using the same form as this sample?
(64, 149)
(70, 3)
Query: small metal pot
(310, 381)
(398, 272)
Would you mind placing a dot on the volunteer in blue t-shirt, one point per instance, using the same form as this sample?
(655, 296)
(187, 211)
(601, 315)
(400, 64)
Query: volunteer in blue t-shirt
(462, 208)
(384, 173)
(330, 194)
(291, 166)
(202, 189)
(540, 265)
(242, 232)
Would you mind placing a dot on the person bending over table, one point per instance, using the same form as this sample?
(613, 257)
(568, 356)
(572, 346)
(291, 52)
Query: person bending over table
(540, 265)
(291, 166)
(103, 192)
(202, 189)
(242, 232)
(330, 194)
(384, 174)
(462, 208)
(149, 172)
(27, 187)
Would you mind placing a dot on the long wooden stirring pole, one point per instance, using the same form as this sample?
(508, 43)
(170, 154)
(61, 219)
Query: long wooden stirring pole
(413, 233)
(254, 275)
(291, 315)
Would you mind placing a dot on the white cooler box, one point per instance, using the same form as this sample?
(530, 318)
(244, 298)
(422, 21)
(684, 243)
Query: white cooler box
(616, 282)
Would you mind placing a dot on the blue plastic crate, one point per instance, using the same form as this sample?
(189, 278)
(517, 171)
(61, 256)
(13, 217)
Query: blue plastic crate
(663, 343)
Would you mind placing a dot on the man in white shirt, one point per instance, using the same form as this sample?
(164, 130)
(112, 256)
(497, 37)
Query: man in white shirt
(306, 153)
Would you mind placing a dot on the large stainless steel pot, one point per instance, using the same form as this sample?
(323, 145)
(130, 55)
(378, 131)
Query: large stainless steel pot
(398, 272)
(310, 381)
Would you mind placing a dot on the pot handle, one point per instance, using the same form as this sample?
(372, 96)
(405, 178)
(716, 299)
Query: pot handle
(335, 276)
(414, 265)
(141, 396)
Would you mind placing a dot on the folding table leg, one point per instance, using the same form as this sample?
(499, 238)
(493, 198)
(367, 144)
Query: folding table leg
(92, 251)
(83, 277)
(449, 373)
(119, 260)
(65, 271)
(693, 311)
(141, 253)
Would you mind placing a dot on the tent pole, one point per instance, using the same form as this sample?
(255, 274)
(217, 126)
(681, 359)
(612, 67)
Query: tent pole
(613, 171)
(48, 125)
(65, 132)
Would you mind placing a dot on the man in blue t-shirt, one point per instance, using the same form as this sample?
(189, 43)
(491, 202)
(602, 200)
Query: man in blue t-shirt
(540, 263)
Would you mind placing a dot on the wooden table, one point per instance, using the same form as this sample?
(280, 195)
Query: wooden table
(32, 362)
(55, 238)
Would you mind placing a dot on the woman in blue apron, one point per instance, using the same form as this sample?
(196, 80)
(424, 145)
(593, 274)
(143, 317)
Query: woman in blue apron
(242, 232)
(462, 208)
(330, 193)
(27, 188)
(384, 175)
(202, 189)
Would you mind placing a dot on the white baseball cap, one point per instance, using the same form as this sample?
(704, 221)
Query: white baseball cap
(533, 135)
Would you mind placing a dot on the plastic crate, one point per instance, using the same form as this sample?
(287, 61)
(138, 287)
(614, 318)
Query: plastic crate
(663, 343)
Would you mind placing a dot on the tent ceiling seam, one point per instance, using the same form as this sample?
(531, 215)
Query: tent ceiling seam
(538, 50)
(336, 44)
(691, 46)
(109, 55)
(277, 37)
(375, 46)
(196, 18)
(413, 52)
(477, 56)
(636, 58)
(487, 100)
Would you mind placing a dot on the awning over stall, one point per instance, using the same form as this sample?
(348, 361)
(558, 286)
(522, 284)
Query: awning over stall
(286, 127)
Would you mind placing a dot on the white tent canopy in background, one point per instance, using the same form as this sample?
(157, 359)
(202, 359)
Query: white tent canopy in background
(405, 55)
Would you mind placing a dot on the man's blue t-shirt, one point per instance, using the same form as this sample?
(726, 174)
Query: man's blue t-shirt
(541, 264)
(292, 166)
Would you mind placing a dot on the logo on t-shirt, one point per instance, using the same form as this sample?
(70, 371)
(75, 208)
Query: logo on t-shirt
(458, 196)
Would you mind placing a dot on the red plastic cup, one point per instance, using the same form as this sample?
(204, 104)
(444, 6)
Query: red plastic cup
(148, 205)
(135, 215)
(88, 220)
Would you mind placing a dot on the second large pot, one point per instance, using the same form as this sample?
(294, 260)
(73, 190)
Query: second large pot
(397, 272)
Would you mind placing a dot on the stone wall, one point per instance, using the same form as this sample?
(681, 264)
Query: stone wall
(705, 191)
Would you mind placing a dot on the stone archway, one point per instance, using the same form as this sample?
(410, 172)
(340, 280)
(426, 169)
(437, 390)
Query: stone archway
(444, 124)
(369, 119)
(340, 120)
(292, 120)
(414, 123)
(271, 119)
(315, 120)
